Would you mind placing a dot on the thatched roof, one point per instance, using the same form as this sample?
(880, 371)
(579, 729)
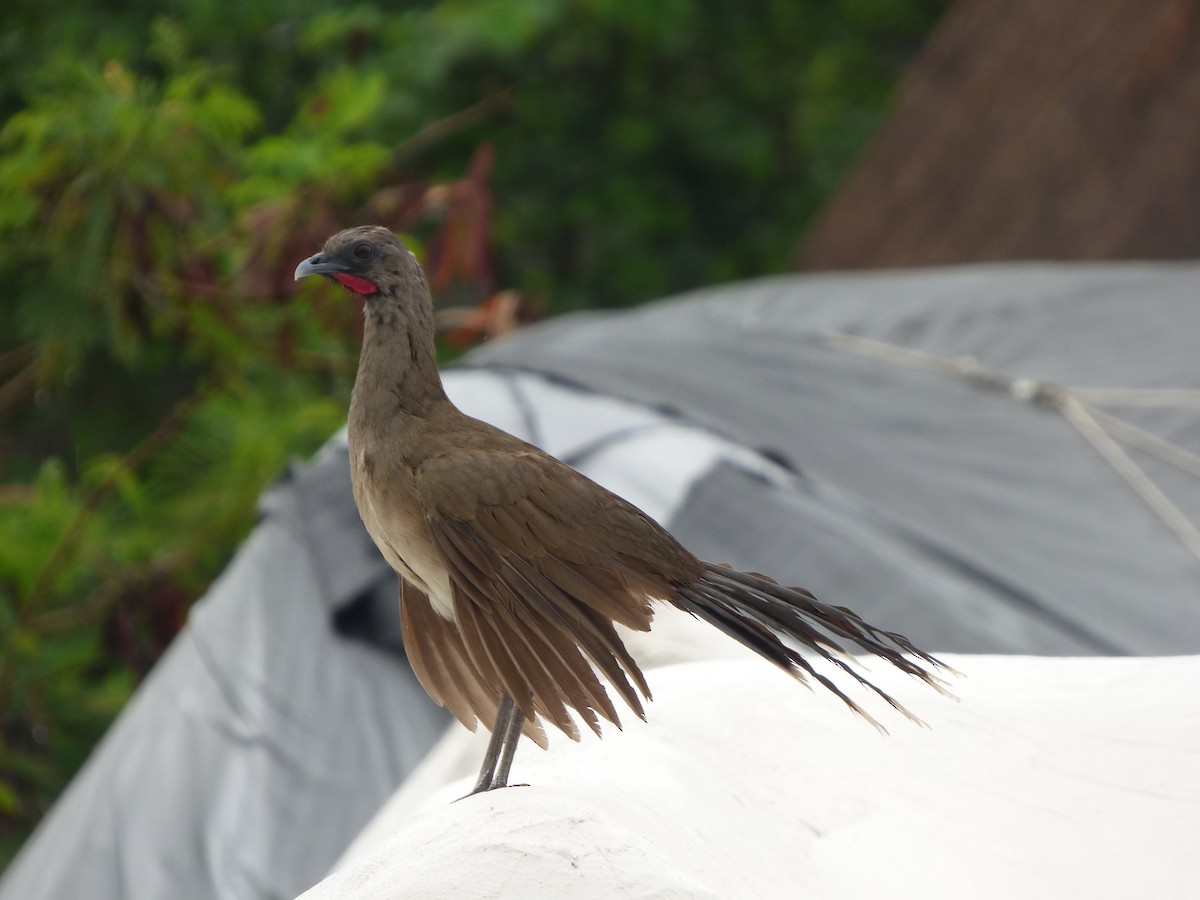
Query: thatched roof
(1067, 130)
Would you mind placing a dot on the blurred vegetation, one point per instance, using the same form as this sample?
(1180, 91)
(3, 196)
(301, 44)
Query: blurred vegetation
(163, 167)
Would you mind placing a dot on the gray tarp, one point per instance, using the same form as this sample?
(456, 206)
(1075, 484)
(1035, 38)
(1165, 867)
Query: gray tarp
(968, 518)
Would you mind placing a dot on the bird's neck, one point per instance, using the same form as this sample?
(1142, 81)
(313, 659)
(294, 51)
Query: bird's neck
(397, 369)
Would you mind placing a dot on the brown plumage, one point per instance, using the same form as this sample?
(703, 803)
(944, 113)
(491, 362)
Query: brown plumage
(514, 566)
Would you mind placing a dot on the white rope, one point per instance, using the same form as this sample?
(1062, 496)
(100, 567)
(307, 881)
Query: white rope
(1089, 426)
(1101, 396)
(1075, 406)
(1151, 443)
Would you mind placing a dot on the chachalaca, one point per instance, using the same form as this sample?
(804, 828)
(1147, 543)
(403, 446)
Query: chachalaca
(514, 567)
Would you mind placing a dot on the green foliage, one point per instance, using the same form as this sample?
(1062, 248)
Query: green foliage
(163, 168)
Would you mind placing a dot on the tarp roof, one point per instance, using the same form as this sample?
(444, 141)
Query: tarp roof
(1053, 777)
(969, 516)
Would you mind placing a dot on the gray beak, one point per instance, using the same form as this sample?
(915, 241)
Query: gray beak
(317, 265)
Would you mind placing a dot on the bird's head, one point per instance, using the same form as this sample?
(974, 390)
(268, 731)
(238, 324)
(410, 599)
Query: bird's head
(367, 260)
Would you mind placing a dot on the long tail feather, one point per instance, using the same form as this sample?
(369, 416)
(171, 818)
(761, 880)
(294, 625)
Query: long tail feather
(761, 615)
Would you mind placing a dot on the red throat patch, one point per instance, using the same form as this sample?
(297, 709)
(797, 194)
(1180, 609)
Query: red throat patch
(356, 284)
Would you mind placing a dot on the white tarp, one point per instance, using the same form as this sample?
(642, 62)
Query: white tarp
(1052, 778)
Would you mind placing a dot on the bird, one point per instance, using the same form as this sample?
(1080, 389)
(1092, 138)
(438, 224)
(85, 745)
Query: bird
(515, 569)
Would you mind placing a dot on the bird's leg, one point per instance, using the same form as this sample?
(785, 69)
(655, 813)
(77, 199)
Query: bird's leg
(508, 749)
(501, 748)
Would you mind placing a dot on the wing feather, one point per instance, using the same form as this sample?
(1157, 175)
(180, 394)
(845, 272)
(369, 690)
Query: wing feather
(541, 564)
(440, 660)
(539, 640)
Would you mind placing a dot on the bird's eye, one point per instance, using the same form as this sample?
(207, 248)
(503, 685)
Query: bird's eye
(362, 251)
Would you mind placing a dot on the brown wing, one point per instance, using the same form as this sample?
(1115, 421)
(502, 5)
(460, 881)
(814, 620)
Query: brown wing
(442, 665)
(542, 562)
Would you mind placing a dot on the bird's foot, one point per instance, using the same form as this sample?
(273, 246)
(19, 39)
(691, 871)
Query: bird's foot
(490, 787)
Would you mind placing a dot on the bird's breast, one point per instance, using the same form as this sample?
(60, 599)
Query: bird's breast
(383, 491)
